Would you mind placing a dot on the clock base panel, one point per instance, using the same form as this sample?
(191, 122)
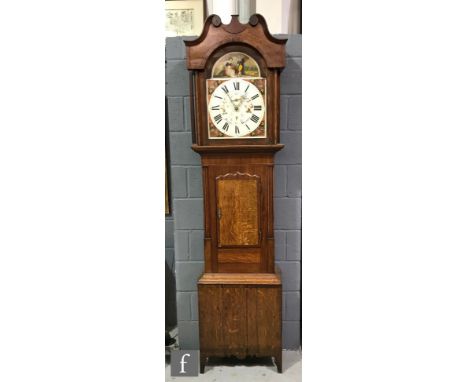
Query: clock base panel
(240, 315)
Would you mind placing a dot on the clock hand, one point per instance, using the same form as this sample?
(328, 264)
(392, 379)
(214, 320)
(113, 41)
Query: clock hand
(235, 104)
(230, 99)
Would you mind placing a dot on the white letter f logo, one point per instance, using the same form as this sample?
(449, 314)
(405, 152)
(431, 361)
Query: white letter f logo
(182, 363)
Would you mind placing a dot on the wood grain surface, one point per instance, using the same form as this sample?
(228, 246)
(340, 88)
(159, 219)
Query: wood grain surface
(240, 320)
(238, 211)
(241, 278)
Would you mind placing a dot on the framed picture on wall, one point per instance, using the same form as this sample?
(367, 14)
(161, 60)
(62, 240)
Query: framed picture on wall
(167, 169)
(168, 211)
(184, 17)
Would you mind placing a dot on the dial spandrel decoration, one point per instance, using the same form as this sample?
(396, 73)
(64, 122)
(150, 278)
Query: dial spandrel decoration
(236, 108)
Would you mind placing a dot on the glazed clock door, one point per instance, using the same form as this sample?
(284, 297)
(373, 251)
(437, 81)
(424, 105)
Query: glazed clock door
(236, 108)
(239, 230)
(236, 98)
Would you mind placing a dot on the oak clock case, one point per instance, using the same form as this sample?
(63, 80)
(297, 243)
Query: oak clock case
(235, 71)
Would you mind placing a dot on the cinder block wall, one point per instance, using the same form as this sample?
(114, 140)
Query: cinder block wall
(186, 194)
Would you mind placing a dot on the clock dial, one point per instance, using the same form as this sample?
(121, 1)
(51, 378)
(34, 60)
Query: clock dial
(236, 109)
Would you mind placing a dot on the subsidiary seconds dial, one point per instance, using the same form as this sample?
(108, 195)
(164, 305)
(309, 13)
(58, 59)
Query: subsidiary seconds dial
(236, 107)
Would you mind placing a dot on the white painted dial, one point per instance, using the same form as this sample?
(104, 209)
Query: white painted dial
(236, 107)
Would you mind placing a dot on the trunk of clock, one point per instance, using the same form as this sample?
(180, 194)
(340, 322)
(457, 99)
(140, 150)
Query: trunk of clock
(238, 208)
(240, 315)
(240, 292)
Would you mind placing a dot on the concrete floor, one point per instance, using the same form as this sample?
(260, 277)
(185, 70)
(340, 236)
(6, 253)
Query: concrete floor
(248, 370)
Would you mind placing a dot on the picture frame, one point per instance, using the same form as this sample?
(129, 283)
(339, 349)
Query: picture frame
(168, 210)
(184, 17)
(167, 169)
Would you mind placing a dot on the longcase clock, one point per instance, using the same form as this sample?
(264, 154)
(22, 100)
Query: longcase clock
(235, 106)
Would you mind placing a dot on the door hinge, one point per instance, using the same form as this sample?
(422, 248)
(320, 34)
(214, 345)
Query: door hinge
(219, 213)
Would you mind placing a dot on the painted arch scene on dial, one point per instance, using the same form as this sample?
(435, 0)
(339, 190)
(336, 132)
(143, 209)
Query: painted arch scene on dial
(236, 98)
(235, 64)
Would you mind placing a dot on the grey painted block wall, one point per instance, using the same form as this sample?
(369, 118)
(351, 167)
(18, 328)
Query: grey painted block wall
(187, 202)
